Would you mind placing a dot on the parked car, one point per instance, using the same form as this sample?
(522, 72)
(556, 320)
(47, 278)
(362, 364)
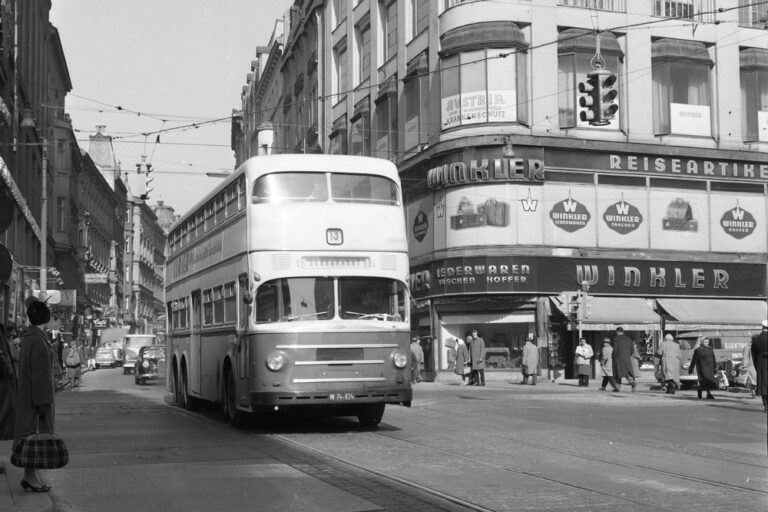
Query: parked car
(105, 357)
(150, 364)
(133, 342)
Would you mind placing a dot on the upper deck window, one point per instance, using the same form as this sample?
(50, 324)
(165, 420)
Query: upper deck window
(313, 187)
(363, 188)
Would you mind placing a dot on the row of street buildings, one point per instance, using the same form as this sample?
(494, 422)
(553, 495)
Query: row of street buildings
(514, 203)
(76, 226)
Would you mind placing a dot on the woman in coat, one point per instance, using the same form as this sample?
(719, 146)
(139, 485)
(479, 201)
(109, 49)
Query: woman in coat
(462, 367)
(704, 361)
(35, 405)
(606, 365)
(669, 362)
(584, 355)
(530, 362)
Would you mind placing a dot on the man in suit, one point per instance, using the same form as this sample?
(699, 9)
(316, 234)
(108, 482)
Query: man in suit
(760, 360)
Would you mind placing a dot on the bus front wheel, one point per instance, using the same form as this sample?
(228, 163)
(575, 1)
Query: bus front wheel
(369, 415)
(232, 414)
(177, 398)
(188, 402)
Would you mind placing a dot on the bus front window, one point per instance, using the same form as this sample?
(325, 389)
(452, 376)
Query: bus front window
(366, 298)
(295, 299)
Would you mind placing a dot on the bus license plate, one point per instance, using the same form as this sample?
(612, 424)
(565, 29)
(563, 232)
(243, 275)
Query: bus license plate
(340, 397)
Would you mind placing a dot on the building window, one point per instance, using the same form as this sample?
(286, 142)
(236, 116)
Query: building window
(418, 17)
(340, 71)
(753, 14)
(386, 125)
(360, 130)
(601, 5)
(416, 93)
(338, 137)
(482, 87)
(363, 67)
(681, 88)
(61, 210)
(576, 49)
(338, 12)
(754, 93)
(701, 10)
(388, 39)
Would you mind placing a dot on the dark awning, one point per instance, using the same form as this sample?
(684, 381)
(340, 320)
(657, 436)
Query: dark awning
(680, 50)
(608, 313)
(691, 314)
(583, 41)
(753, 58)
(489, 34)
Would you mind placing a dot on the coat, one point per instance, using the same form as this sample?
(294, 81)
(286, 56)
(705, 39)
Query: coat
(635, 361)
(606, 360)
(7, 388)
(36, 384)
(669, 360)
(622, 356)
(462, 358)
(748, 363)
(477, 353)
(760, 359)
(704, 361)
(530, 362)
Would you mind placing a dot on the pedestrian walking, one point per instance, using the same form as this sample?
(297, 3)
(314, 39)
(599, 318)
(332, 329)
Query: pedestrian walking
(477, 354)
(669, 363)
(749, 366)
(35, 407)
(606, 365)
(417, 360)
(622, 359)
(463, 365)
(760, 360)
(7, 387)
(584, 355)
(704, 362)
(635, 363)
(530, 362)
(74, 363)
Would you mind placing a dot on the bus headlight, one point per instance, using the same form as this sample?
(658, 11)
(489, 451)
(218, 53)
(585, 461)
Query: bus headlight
(399, 359)
(145, 364)
(276, 360)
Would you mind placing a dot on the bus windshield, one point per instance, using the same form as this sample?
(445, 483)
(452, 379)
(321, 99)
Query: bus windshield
(297, 299)
(291, 187)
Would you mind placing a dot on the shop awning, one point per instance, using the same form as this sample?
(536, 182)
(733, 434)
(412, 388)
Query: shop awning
(608, 313)
(691, 314)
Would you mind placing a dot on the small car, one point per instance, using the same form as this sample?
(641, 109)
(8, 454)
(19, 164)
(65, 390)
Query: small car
(133, 342)
(105, 357)
(150, 364)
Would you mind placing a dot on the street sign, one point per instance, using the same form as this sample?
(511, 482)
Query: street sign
(95, 278)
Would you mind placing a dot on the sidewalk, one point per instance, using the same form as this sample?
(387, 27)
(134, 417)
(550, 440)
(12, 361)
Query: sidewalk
(12, 497)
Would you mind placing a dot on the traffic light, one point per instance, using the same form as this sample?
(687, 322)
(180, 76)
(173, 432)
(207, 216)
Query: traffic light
(6, 216)
(585, 306)
(598, 96)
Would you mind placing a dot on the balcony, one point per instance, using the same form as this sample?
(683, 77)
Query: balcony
(600, 5)
(699, 10)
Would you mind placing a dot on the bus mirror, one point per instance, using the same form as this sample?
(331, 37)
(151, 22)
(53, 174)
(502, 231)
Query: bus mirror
(248, 298)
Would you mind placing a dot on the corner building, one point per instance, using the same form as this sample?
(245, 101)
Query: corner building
(514, 204)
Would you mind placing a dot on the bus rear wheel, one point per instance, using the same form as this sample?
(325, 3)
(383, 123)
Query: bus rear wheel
(232, 414)
(177, 398)
(369, 415)
(188, 402)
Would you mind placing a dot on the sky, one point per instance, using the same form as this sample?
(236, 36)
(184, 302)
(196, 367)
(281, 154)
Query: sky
(139, 66)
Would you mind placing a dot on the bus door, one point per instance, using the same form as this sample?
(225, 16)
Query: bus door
(195, 345)
(244, 300)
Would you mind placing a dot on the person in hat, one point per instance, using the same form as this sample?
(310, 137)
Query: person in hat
(463, 365)
(417, 360)
(705, 364)
(606, 365)
(622, 358)
(760, 360)
(477, 355)
(530, 362)
(34, 400)
(669, 357)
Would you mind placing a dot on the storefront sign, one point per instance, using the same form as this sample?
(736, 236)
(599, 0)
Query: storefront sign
(569, 215)
(738, 222)
(622, 217)
(553, 275)
(485, 170)
(690, 167)
(420, 226)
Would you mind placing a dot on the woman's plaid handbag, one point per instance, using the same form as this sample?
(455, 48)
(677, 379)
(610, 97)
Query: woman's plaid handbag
(40, 451)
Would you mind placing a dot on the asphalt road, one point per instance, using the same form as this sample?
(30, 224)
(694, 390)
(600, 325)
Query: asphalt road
(502, 447)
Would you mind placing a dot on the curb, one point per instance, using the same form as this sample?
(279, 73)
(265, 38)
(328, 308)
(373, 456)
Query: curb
(13, 498)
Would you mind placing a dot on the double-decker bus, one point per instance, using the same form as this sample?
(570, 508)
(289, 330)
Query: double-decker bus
(286, 288)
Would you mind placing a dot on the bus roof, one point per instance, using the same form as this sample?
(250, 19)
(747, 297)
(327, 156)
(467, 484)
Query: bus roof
(258, 165)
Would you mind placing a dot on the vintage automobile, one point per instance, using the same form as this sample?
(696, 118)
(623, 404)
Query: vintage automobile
(134, 342)
(105, 357)
(150, 364)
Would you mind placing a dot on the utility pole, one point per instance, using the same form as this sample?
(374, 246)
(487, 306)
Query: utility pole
(44, 225)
